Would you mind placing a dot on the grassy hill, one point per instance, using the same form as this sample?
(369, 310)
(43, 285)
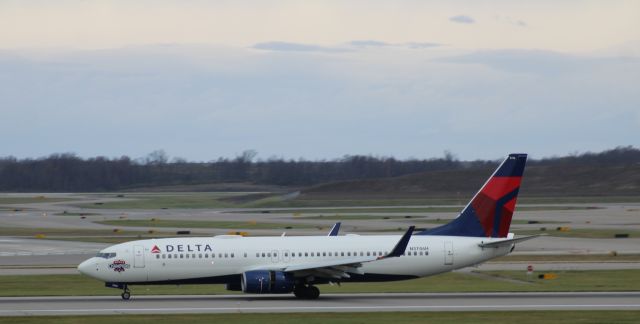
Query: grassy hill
(560, 179)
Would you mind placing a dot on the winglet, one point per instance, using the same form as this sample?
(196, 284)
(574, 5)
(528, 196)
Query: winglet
(401, 246)
(334, 230)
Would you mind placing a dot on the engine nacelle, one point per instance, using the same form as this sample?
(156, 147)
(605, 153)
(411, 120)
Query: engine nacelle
(267, 282)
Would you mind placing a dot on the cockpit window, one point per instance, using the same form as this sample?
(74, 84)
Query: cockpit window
(106, 255)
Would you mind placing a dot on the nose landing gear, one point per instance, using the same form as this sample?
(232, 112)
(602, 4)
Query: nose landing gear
(126, 294)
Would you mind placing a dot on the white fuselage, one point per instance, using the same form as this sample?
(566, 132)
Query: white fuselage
(216, 259)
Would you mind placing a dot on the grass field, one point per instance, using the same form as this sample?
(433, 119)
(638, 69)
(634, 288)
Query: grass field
(76, 214)
(453, 209)
(408, 218)
(570, 258)
(580, 232)
(29, 231)
(199, 200)
(614, 280)
(363, 201)
(30, 200)
(191, 200)
(205, 224)
(520, 317)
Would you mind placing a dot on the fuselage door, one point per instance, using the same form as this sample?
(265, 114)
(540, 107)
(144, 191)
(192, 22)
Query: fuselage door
(138, 256)
(448, 253)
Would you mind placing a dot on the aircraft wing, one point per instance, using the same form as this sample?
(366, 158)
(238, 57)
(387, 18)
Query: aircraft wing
(341, 268)
(496, 244)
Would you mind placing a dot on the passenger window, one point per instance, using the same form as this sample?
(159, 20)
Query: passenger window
(163, 256)
(269, 254)
(286, 254)
(233, 256)
(299, 254)
(324, 254)
(329, 253)
(169, 256)
(245, 255)
(306, 254)
(220, 255)
(226, 255)
(187, 256)
(263, 254)
(206, 255)
(157, 256)
(312, 254)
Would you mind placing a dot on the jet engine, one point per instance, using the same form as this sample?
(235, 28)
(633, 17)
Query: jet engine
(267, 282)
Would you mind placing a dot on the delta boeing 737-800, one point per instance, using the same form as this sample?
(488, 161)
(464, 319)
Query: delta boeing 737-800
(297, 264)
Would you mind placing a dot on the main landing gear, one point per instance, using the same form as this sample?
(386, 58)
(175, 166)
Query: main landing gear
(306, 292)
(126, 294)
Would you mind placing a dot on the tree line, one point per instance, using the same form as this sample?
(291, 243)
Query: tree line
(67, 172)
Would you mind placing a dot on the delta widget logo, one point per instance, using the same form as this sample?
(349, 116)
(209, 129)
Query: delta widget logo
(155, 249)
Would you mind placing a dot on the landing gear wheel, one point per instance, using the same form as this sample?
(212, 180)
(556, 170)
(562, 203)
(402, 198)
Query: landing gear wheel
(313, 292)
(126, 294)
(307, 292)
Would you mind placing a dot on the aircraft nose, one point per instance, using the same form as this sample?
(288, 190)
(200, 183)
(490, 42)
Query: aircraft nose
(86, 267)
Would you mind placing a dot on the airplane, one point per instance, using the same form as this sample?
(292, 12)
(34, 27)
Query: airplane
(297, 264)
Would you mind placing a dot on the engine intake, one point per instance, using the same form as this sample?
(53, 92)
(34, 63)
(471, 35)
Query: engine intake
(267, 282)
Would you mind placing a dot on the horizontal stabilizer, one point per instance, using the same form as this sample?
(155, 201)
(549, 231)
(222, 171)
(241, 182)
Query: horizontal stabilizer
(496, 244)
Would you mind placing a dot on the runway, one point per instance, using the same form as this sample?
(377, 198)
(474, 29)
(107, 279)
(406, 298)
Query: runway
(93, 305)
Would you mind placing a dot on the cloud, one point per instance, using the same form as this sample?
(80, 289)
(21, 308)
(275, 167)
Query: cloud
(368, 43)
(526, 61)
(421, 45)
(277, 46)
(295, 47)
(462, 19)
(511, 21)
(219, 101)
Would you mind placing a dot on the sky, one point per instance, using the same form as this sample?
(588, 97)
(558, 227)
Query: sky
(318, 79)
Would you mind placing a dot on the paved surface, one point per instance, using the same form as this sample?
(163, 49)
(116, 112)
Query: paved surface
(327, 303)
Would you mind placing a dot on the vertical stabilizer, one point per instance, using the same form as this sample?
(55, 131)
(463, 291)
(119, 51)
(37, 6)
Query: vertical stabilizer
(489, 213)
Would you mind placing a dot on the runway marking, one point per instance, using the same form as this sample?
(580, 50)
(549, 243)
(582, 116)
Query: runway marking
(293, 309)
